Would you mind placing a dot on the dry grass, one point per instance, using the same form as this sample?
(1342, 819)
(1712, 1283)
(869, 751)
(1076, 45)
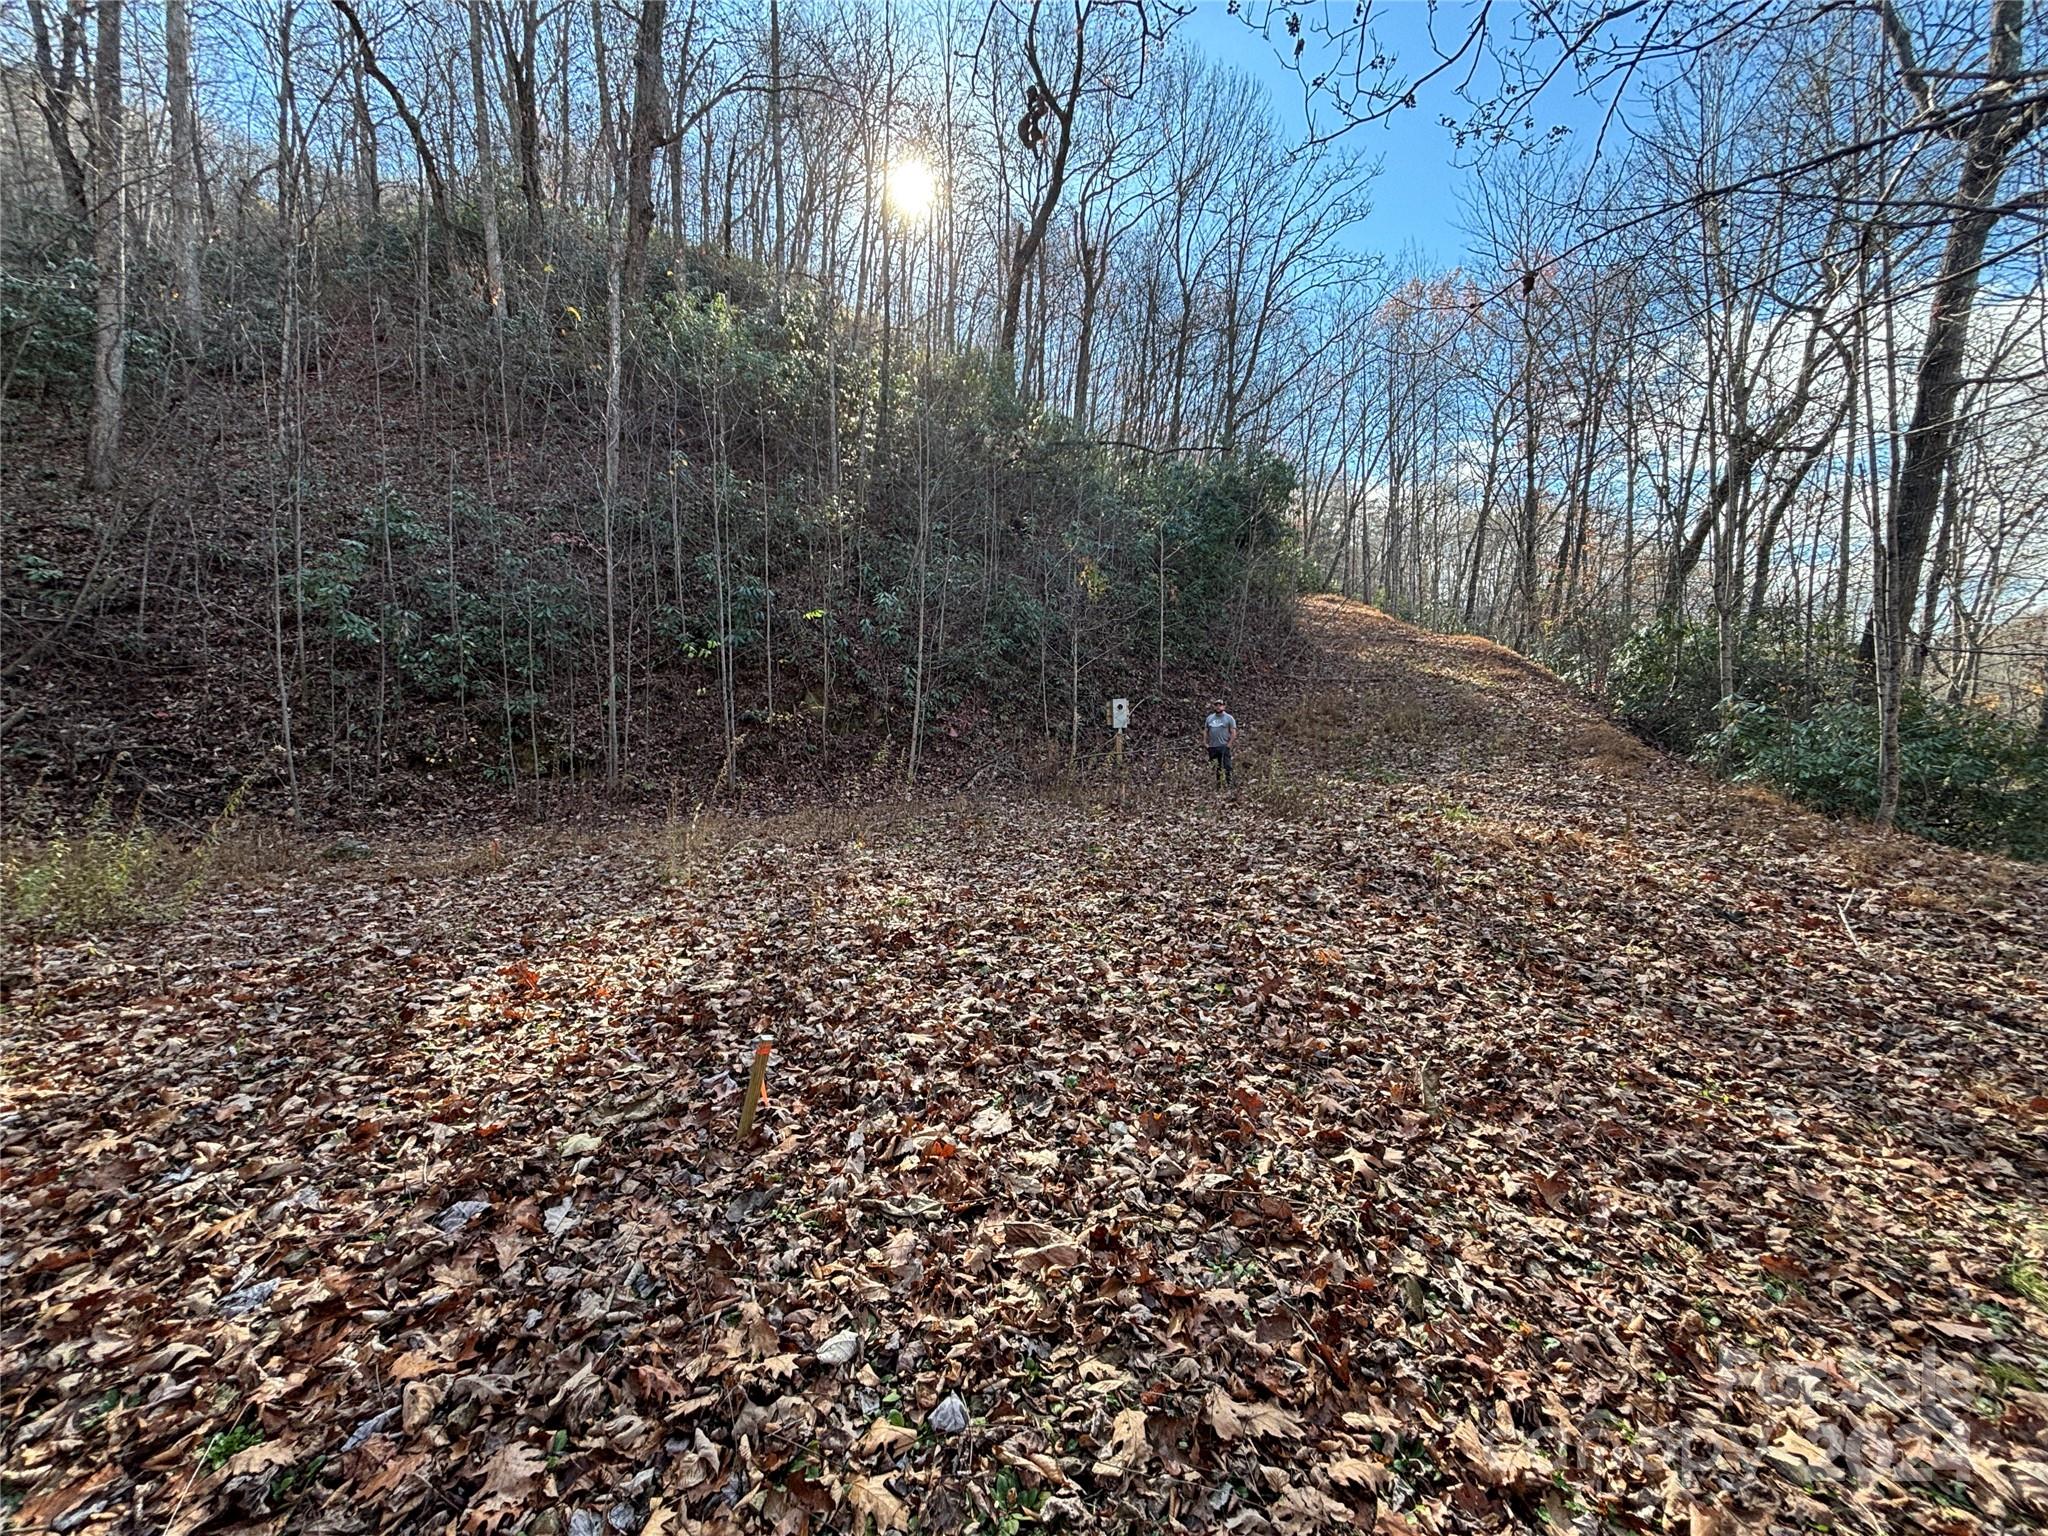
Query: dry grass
(1609, 750)
(1912, 874)
(1045, 761)
(847, 824)
(1274, 784)
(1926, 898)
(470, 859)
(107, 875)
(690, 841)
(1324, 719)
(1338, 723)
(1095, 789)
(1758, 797)
(687, 839)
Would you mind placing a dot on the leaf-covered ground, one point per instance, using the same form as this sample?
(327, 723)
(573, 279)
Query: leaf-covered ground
(1476, 1120)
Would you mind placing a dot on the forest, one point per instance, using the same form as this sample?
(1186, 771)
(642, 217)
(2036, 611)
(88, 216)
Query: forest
(1248, 767)
(870, 376)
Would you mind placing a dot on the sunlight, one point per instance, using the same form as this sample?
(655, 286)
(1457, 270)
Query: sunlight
(910, 188)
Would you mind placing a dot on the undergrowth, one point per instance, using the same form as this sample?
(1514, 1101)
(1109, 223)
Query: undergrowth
(107, 873)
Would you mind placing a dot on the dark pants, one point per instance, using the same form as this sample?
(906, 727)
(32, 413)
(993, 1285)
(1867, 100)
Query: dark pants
(1220, 756)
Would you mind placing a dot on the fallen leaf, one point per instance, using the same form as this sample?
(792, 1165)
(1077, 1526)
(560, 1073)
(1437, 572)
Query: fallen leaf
(1300, 1510)
(413, 1365)
(265, 1456)
(993, 1121)
(1127, 1448)
(1513, 1466)
(882, 1435)
(871, 1497)
(950, 1417)
(1356, 1472)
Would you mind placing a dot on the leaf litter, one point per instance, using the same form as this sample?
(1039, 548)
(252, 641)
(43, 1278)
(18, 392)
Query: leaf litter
(1490, 1123)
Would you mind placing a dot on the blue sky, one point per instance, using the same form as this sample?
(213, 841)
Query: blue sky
(1417, 198)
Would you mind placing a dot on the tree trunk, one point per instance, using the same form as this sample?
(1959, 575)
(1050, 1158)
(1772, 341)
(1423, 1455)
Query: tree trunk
(184, 198)
(644, 135)
(1479, 530)
(1025, 252)
(564, 140)
(775, 143)
(1525, 580)
(614, 390)
(1938, 385)
(57, 80)
(614, 324)
(1922, 639)
(487, 177)
(1852, 364)
(522, 103)
(430, 167)
(1094, 271)
(110, 258)
(369, 192)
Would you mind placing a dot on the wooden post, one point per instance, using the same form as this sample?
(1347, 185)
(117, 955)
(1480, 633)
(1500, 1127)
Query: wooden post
(757, 1089)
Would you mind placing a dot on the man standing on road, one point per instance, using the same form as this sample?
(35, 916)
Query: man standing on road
(1220, 733)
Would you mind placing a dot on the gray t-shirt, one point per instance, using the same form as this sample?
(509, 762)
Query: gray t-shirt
(1220, 725)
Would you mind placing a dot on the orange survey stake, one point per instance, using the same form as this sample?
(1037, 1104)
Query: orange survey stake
(757, 1088)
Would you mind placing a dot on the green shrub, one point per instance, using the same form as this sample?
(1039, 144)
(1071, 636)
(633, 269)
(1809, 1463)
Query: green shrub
(46, 321)
(105, 874)
(83, 882)
(1966, 777)
(47, 283)
(1665, 678)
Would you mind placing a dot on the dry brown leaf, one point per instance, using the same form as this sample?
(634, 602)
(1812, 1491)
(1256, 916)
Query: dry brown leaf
(510, 1479)
(1127, 1448)
(415, 1365)
(1301, 1510)
(1502, 1466)
(1049, 1469)
(1232, 1419)
(418, 1402)
(1801, 1457)
(391, 1473)
(1220, 1409)
(41, 1511)
(1356, 1472)
(1540, 934)
(871, 1498)
(266, 1456)
(884, 1436)
(1051, 1256)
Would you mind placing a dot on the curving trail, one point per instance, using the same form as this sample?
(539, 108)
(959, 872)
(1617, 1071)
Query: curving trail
(1479, 1118)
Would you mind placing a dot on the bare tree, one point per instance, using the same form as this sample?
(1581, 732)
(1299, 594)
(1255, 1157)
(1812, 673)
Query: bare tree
(487, 175)
(59, 66)
(184, 148)
(647, 129)
(518, 50)
(1097, 51)
(430, 165)
(1989, 125)
(110, 256)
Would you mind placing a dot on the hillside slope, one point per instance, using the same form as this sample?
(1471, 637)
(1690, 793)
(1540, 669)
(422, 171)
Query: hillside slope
(424, 591)
(1476, 1118)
